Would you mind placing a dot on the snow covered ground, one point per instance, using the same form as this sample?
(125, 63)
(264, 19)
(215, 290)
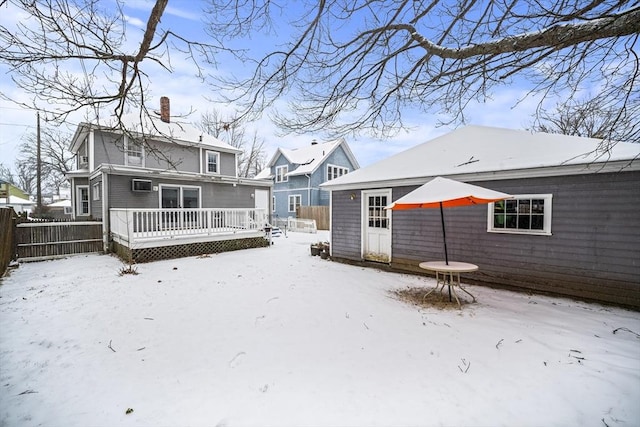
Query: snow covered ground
(273, 336)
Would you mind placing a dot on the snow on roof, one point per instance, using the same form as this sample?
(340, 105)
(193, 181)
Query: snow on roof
(478, 149)
(309, 158)
(15, 200)
(264, 174)
(175, 130)
(60, 203)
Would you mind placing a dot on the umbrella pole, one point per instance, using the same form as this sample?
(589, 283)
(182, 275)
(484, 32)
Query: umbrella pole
(444, 236)
(446, 255)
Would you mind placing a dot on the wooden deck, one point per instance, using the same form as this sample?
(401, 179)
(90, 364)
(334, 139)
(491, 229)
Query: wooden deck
(148, 228)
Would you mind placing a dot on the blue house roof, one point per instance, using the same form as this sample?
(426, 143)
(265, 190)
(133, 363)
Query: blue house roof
(308, 159)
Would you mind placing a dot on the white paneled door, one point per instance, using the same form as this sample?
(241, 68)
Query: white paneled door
(376, 225)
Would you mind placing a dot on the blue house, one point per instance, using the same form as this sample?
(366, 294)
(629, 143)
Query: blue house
(298, 173)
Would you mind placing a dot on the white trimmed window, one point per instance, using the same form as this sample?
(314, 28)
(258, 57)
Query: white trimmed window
(295, 200)
(334, 172)
(213, 162)
(133, 153)
(82, 200)
(281, 173)
(524, 214)
(97, 191)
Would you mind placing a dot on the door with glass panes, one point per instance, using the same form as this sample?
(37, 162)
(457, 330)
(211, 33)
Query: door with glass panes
(376, 226)
(179, 197)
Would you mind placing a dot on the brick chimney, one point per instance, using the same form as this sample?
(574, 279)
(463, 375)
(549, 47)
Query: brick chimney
(165, 111)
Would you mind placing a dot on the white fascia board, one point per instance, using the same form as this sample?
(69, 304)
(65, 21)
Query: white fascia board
(161, 173)
(81, 132)
(583, 169)
(350, 154)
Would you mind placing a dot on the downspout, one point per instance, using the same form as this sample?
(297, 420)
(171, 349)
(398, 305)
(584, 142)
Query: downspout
(106, 214)
(308, 189)
(73, 198)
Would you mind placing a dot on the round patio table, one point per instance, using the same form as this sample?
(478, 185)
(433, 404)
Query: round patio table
(449, 275)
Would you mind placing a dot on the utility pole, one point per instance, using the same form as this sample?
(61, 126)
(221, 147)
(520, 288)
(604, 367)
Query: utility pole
(38, 170)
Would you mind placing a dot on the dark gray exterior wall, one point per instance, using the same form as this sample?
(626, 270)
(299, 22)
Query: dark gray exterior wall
(108, 148)
(95, 206)
(346, 226)
(172, 157)
(593, 252)
(214, 195)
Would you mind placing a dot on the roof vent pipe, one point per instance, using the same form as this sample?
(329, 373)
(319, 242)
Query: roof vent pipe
(314, 142)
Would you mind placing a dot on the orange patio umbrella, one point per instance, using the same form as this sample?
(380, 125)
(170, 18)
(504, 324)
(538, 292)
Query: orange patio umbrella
(446, 193)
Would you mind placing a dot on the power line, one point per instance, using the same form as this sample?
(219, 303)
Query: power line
(16, 124)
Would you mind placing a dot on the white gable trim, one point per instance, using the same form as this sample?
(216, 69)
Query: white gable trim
(585, 169)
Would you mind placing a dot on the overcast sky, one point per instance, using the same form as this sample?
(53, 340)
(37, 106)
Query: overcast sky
(189, 93)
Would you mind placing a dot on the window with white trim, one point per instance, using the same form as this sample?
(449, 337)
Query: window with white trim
(213, 162)
(334, 172)
(523, 214)
(82, 200)
(295, 200)
(377, 215)
(97, 191)
(134, 153)
(281, 173)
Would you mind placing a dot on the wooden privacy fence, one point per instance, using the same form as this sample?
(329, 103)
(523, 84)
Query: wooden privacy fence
(319, 213)
(7, 245)
(48, 240)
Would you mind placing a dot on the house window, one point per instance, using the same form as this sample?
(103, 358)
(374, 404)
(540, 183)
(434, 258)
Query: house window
(97, 191)
(294, 201)
(68, 210)
(377, 214)
(82, 200)
(213, 162)
(524, 214)
(334, 172)
(134, 153)
(175, 196)
(281, 173)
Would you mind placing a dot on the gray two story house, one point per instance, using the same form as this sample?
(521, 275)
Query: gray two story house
(298, 173)
(164, 189)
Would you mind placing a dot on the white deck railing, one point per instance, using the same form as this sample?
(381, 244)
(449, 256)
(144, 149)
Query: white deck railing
(148, 224)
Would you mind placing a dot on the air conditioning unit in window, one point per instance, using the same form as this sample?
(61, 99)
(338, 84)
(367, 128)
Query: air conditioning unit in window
(84, 159)
(141, 185)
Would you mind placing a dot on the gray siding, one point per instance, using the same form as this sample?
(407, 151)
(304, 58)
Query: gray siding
(167, 156)
(121, 196)
(74, 195)
(95, 206)
(214, 195)
(82, 151)
(227, 162)
(346, 226)
(107, 148)
(593, 252)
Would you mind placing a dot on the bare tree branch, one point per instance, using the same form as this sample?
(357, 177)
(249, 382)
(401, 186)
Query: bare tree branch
(70, 55)
(359, 66)
(232, 131)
